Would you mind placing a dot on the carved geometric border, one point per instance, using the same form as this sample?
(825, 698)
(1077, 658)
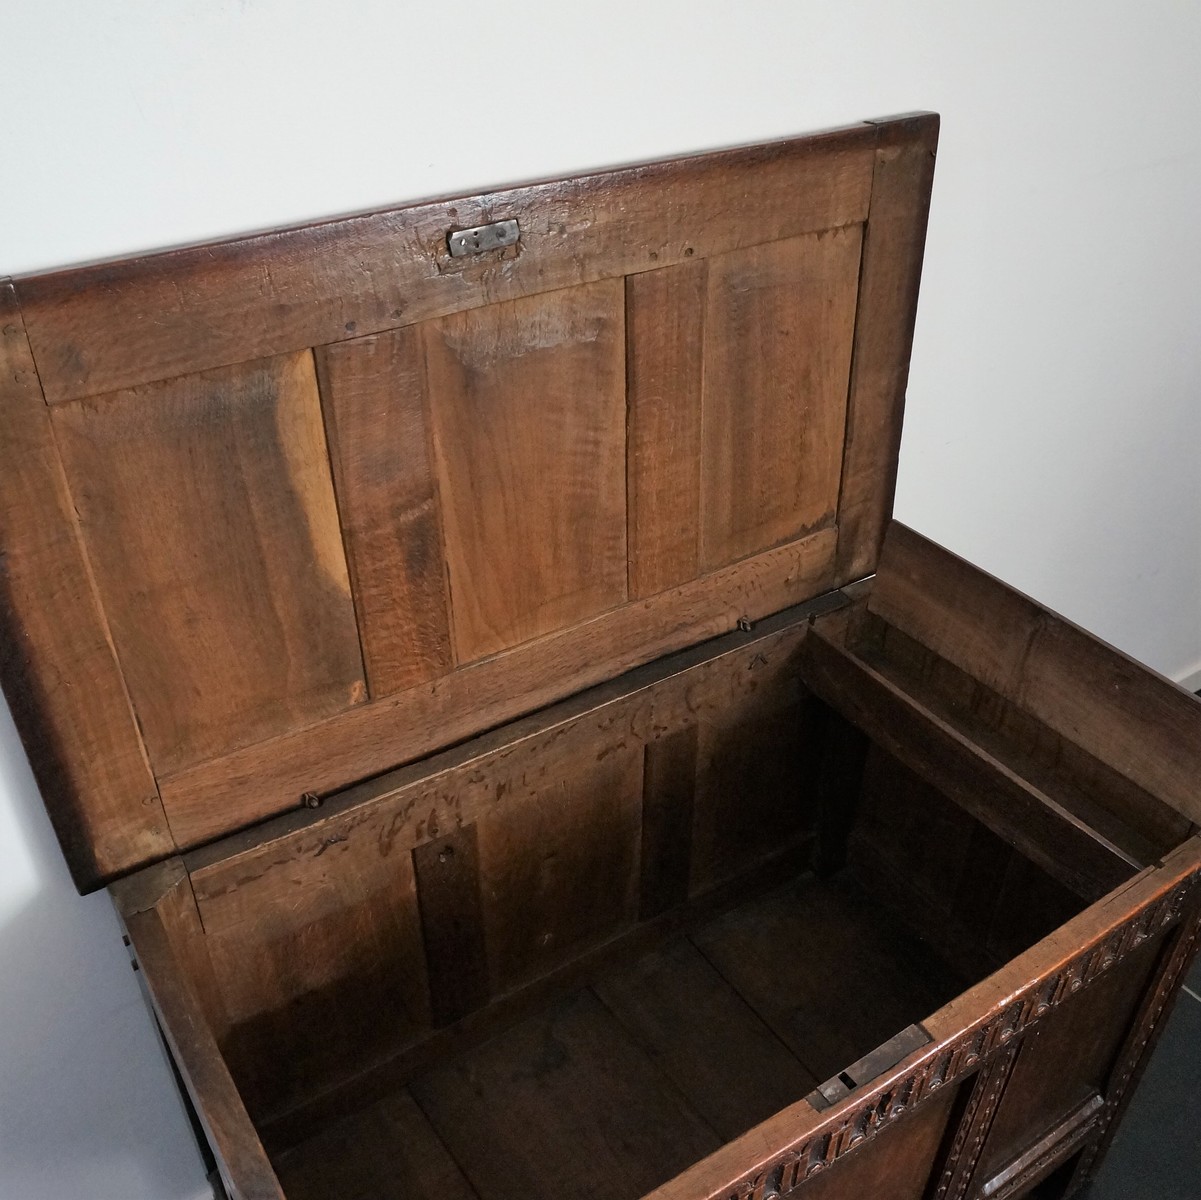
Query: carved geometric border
(939, 1066)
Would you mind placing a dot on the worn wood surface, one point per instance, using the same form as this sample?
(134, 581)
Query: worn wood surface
(665, 327)
(733, 1070)
(563, 1104)
(245, 1169)
(893, 244)
(778, 328)
(529, 435)
(388, 1152)
(209, 517)
(376, 404)
(188, 310)
(1041, 828)
(60, 673)
(1140, 724)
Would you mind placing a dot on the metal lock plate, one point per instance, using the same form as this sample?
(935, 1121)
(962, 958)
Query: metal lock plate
(479, 238)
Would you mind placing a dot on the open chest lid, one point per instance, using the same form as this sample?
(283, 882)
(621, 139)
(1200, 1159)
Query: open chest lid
(281, 513)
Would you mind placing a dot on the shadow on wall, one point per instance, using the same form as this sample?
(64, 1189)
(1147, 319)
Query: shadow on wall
(88, 1106)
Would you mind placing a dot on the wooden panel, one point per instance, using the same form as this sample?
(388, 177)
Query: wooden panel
(57, 663)
(332, 944)
(894, 1166)
(1065, 1061)
(571, 1087)
(375, 412)
(664, 337)
(752, 797)
(529, 433)
(246, 786)
(1116, 807)
(245, 1169)
(893, 245)
(102, 328)
(668, 791)
(452, 924)
(779, 321)
(827, 970)
(559, 870)
(388, 1152)
(1137, 722)
(726, 1062)
(208, 512)
(1038, 826)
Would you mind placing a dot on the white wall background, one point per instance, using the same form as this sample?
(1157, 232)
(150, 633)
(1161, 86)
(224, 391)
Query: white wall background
(1053, 426)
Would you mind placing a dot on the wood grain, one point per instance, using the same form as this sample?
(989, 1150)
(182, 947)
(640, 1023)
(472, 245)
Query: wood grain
(57, 664)
(245, 1168)
(893, 244)
(1140, 724)
(726, 1062)
(665, 313)
(278, 292)
(388, 1152)
(452, 924)
(564, 1104)
(779, 321)
(208, 512)
(559, 868)
(529, 433)
(374, 395)
(668, 796)
(237, 789)
(1042, 829)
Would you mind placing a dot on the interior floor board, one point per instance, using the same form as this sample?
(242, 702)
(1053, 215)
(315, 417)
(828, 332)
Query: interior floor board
(609, 1092)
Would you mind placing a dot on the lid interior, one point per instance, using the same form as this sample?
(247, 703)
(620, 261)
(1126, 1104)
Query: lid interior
(282, 513)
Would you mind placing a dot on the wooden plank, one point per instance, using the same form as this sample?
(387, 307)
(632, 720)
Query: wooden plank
(1142, 725)
(665, 313)
(1036, 825)
(529, 436)
(700, 1033)
(1065, 1061)
(452, 925)
(208, 511)
(563, 1105)
(57, 665)
(894, 241)
(559, 868)
(668, 792)
(779, 321)
(1116, 807)
(245, 1168)
(752, 797)
(827, 970)
(246, 786)
(388, 1152)
(338, 949)
(98, 329)
(375, 414)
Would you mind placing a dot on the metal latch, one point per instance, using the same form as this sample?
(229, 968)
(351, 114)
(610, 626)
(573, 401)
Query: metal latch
(479, 238)
(870, 1066)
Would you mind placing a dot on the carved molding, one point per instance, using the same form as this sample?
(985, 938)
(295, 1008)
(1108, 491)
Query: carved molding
(863, 1117)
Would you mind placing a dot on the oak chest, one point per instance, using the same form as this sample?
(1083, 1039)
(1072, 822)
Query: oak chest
(471, 643)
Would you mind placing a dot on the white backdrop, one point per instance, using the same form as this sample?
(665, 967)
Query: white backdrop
(1053, 421)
